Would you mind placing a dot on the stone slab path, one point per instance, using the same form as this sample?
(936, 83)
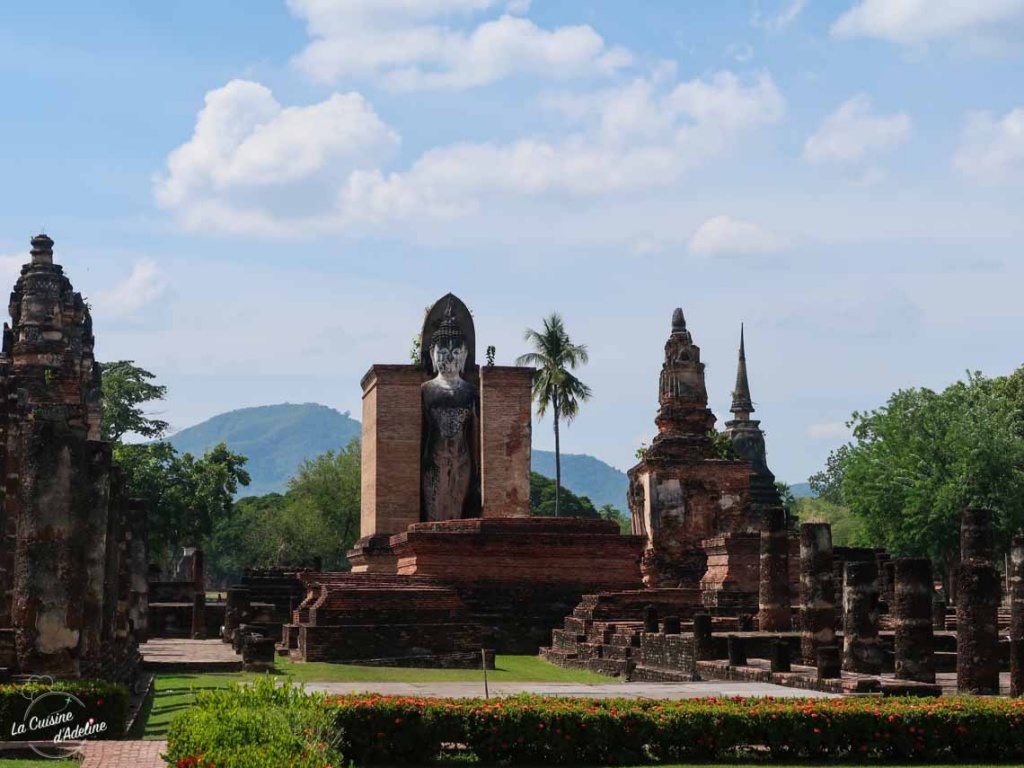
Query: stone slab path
(182, 655)
(124, 754)
(697, 690)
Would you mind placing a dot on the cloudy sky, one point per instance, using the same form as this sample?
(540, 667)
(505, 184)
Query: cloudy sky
(259, 197)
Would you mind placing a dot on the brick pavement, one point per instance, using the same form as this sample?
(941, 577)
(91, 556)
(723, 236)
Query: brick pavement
(124, 754)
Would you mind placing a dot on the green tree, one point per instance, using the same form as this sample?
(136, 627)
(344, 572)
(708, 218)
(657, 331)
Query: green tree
(544, 496)
(828, 483)
(788, 499)
(126, 388)
(327, 488)
(186, 496)
(610, 512)
(554, 385)
(918, 461)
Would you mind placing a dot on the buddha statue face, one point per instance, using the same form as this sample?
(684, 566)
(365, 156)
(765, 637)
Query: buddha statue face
(449, 356)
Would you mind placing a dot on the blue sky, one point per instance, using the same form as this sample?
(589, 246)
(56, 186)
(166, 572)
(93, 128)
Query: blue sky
(259, 198)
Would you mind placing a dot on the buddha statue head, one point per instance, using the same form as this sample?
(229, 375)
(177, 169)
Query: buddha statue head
(448, 349)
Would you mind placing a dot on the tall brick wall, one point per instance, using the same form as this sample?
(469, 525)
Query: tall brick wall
(392, 425)
(506, 434)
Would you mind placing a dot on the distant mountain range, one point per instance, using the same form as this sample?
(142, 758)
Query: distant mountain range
(277, 438)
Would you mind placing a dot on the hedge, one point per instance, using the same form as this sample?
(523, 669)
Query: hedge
(104, 702)
(261, 725)
(534, 730)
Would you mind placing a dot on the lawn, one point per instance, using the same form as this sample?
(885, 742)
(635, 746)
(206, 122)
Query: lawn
(173, 693)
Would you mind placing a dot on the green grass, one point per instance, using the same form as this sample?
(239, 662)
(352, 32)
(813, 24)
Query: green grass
(173, 693)
(509, 669)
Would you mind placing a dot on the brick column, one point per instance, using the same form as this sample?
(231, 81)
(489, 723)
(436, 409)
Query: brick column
(235, 611)
(774, 610)
(912, 609)
(99, 536)
(49, 588)
(861, 651)
(1017, 616)
(505, 438)
(817, 590)
(977, 606)
(198, 596)
(977, 541)
(138, 608)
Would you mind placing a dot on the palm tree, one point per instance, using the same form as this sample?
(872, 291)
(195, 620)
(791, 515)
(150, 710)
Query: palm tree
(554, 386)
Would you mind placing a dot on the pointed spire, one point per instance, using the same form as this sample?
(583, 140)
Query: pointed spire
(742, 406)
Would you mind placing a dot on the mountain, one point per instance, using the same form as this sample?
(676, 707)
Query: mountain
(277, 438)
(802, 491)
(586, 476)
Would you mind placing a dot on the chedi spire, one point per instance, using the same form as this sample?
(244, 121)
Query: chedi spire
(742, 405)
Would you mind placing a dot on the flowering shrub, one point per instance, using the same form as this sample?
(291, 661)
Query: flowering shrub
(534, 730)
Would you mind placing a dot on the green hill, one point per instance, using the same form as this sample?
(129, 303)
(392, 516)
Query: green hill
(277, 438)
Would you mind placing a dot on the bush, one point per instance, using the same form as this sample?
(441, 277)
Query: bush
(524, 730)
(104, 702)
(260, 725)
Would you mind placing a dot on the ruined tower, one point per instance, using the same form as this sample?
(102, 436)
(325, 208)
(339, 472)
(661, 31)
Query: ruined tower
(681, 493)
(747, 440)
(60, 541)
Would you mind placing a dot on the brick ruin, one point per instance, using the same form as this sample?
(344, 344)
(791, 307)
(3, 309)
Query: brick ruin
(73, 593)
(433, 582)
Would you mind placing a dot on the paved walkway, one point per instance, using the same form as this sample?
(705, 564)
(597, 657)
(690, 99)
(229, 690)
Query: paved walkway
(181, 655)
(603, 691)
(124, 754)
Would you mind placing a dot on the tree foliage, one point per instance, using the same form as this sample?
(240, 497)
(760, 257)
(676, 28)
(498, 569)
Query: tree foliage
(126, 387)
(186, 496)
(918, 461)
(316, 520)
(555, 386)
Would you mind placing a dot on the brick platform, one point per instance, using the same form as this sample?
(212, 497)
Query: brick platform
(123, 754)
(173, 655)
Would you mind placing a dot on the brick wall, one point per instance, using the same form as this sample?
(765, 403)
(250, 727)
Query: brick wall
(506, 434)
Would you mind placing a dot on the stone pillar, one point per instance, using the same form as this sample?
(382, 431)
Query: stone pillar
(861, 650)
(138, 608)
(887, 582)
(828, 663)
(977, 541)
(780, 661)
(774, 610)
(650, 619)
(737, 650)
(672, 625)
(96, 542)
(1017, 616)
(116, 500)
(49, 586)
(506, 403)
(702, 638)
(817, 590)
(199, 616)
(912, 609)
(236, 611)
(977, 630)
(938, 613)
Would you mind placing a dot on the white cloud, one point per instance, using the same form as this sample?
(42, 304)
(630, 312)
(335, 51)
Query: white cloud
(635, 137)
(853, 132)
(724, 235)
(992, 150)
(828, 430)
(399, 42)
(916, 22)
(250, 159)
(253, 167)
(779, 20)
(130, 296)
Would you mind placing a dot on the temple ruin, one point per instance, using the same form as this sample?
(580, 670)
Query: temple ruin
(73, 593)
